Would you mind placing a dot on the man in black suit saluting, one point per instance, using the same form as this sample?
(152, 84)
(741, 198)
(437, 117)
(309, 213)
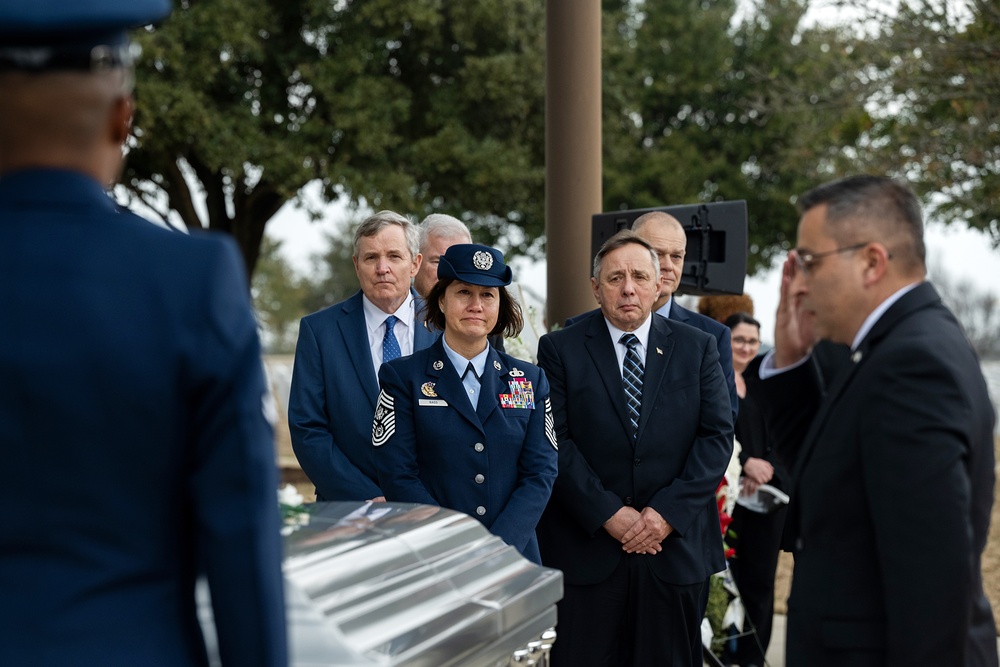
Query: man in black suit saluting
(644, 424)
(893, 468)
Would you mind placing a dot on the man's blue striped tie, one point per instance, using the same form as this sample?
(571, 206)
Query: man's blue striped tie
(632, 376)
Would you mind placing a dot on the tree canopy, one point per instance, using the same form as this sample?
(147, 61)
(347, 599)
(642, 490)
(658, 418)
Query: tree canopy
(434, 106)
(417, 105)
(936, 117)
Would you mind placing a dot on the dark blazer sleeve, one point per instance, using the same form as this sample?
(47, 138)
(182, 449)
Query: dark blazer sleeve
(578, 489)
(318, 452)
(789, 401)
(234, 479)
(920, 455)
(683, 499)
(725, 348)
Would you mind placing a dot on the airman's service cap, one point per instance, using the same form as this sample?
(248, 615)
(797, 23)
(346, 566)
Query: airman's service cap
(474, 264)
(72, 34)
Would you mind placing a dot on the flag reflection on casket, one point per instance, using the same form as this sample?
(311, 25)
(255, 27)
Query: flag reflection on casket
(400, 584)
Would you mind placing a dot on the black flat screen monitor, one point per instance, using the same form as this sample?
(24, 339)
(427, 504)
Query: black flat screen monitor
(716, 257)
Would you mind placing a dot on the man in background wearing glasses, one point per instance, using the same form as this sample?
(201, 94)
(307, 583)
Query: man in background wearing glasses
(893, 468)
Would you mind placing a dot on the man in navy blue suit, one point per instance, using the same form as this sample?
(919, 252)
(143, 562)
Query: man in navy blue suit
(135, 449)
(338, 354)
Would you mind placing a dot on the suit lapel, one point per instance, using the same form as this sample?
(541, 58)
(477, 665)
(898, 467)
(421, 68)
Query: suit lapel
(602, 353)
(822, 414)
(449, 385)
(658, 352)
(355, 334)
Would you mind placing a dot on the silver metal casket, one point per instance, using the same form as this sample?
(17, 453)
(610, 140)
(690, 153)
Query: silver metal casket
(399, 584)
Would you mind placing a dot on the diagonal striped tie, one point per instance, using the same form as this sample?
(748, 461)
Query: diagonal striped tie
(390, 346)
(632, 377)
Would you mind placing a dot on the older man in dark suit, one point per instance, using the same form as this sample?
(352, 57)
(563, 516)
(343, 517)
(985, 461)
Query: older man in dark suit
(338, 354)
(136, 455)
(893, 469)
(666, 235)
(645, 432)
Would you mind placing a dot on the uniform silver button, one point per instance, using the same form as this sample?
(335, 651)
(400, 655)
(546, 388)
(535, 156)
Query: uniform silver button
(480, 479)
(480, 510)
(479, 447)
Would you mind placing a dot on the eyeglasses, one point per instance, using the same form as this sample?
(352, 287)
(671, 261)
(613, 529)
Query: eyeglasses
(751, 342)
(807, 260)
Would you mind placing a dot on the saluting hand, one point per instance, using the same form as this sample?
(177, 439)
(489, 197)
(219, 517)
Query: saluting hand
(794, 328)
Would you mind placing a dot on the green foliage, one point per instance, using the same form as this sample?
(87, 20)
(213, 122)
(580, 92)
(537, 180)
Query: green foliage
(414, 105)
(938, 121)
(715, 611)
(279, 297)
(434, 106)
(333, 277)
(701, 107)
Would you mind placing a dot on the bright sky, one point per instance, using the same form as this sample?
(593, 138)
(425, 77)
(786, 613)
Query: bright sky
(961, 252)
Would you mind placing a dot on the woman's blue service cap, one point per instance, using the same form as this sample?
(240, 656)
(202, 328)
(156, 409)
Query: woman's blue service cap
(474, 264)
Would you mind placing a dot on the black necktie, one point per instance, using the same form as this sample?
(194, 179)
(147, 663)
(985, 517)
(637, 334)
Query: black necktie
(632, 376)
(471, 369)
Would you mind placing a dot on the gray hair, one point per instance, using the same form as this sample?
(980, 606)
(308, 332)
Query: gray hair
(443, 226)
(373, 224)
(624, 238)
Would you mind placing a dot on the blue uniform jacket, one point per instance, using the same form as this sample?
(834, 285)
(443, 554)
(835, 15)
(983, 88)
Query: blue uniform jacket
(135, 451)
(332, 399)
(497, 463)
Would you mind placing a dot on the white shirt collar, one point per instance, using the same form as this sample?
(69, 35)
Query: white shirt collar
(461, 363)
(879, 311)
(642, 333)
(375, 316)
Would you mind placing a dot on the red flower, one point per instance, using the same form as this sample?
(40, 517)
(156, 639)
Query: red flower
(724, 519)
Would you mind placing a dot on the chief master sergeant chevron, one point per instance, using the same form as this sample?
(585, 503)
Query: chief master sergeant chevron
(135, 453)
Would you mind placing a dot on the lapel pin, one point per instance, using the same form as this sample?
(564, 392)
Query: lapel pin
(496, 365)
(438, 365)
(856, 357)
(659, 351)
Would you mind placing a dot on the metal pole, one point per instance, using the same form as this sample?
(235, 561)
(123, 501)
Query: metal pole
(572, 152)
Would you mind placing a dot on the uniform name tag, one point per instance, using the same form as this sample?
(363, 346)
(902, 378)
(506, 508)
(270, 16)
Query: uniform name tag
(434, 402)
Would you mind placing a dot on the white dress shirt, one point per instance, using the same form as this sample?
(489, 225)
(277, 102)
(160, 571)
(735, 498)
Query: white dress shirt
(375, 319)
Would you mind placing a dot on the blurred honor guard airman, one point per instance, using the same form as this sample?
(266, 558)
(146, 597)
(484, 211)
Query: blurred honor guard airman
(135, 451)
(461, 424)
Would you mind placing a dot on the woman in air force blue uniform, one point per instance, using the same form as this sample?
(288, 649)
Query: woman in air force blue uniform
(460, 424)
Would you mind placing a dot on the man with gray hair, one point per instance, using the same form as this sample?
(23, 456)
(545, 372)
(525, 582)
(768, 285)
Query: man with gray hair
(339, 351)
(438, 232)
